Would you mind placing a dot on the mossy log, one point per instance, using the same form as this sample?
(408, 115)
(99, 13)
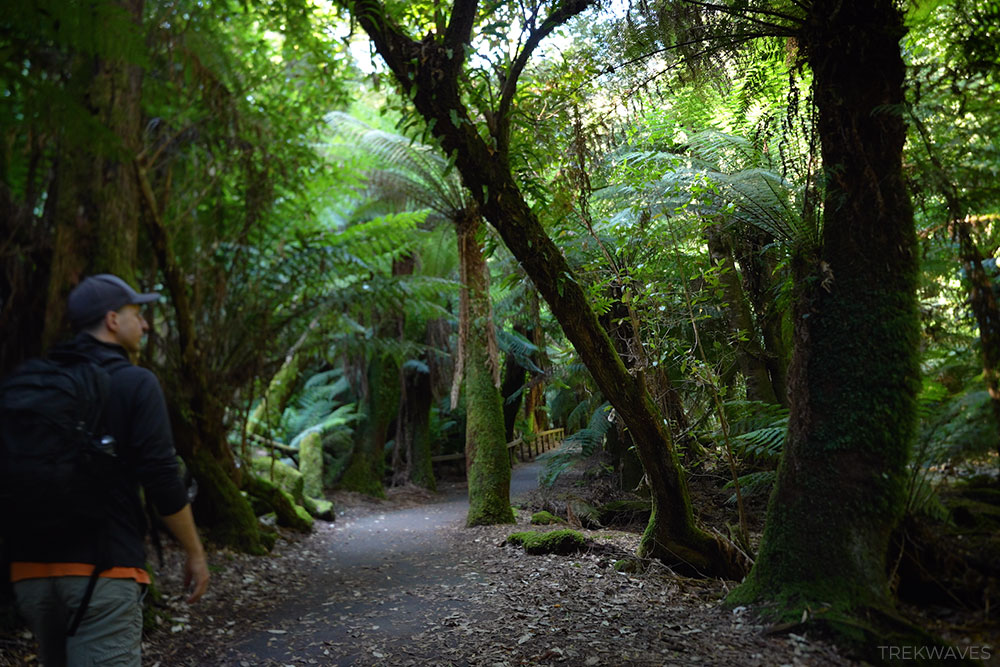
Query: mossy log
(554, 542)
(282, 475)
(288, 514)
(544, 518)
(221, 509)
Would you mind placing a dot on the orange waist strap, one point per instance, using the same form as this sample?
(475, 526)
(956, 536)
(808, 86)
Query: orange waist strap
(21, 571)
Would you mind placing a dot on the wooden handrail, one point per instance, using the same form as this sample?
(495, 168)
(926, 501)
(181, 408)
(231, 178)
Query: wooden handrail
(540, 442)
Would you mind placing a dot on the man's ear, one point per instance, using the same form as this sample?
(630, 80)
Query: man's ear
(111, 320)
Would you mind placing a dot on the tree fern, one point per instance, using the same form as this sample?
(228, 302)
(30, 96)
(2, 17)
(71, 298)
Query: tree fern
(580, 445)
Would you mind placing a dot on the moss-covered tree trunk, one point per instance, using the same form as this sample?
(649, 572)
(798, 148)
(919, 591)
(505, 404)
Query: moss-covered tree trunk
(266, 415)
(486, 459)
(984, 303)
(367, 467)
(854, 374)
(96, 200)
(429, 72)
(413, 429)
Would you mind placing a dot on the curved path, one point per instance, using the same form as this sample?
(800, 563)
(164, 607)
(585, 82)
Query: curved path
(387, 578)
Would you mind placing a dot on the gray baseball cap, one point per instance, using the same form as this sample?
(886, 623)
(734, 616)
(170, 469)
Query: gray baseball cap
(96, 295)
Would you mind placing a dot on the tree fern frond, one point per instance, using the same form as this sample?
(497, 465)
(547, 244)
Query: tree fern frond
(753, 484)
(518, 347)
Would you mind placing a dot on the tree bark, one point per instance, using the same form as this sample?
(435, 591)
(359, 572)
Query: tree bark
(983, 300)
(429, 71)
(486, 460)
(514, 376)
(97, 198)
(367, 467)
(534, 403)
(750, 355)
(413, 428)
(197, 415)
(854, 374)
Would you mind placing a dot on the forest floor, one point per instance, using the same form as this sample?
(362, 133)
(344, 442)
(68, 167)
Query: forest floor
(403, 581)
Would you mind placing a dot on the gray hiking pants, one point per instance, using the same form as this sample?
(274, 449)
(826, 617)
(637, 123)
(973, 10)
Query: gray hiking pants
(110, 633)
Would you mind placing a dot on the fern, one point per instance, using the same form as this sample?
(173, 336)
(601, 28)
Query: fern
(753, 484)
(765, 444)
(340, 419)
(579, 445)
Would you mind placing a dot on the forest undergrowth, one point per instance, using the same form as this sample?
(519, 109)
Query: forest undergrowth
(596, 607)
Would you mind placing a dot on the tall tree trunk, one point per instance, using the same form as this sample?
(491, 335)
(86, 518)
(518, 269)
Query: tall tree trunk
(413, 427)
(758, 267)
(486, 456)
(366, 469)
(854, 374)
(750, 355)
(514, 375)
(97, 199)
(983, 300)
(197, 416)
(534, 403)
(429, 72)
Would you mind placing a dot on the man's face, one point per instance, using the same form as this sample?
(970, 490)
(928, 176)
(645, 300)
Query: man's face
(131, 326)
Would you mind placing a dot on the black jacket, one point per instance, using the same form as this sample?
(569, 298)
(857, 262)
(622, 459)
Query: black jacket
(137, 419)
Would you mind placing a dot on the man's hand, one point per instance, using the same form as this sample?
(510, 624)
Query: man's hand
(196, 577)
(181, 524)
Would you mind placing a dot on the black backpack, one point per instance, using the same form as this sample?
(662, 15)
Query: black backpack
(56, 458)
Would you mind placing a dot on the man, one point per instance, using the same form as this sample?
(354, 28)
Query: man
(50, 580)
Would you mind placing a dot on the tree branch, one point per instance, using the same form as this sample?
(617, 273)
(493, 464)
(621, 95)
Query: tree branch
(562, 13)
(459, 30)
(744, 13)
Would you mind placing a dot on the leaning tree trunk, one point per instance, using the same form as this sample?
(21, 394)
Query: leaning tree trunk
(486, 458)
(429, 72)
(266, 416)
(854, 374)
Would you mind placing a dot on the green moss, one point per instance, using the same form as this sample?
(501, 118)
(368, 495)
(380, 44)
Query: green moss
(283, 475)
(554, 542)
(268, 539)
(489, 472)
(630, 566)
(153, 614)
(280, 501)
(319, 508)
(311, 464)
(221, 508)
(305, 522)
(544, 518)
(360, 477)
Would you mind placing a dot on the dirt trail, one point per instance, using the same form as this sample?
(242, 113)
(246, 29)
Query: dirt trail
(400, 585)
(392, 576)
(378, 579)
